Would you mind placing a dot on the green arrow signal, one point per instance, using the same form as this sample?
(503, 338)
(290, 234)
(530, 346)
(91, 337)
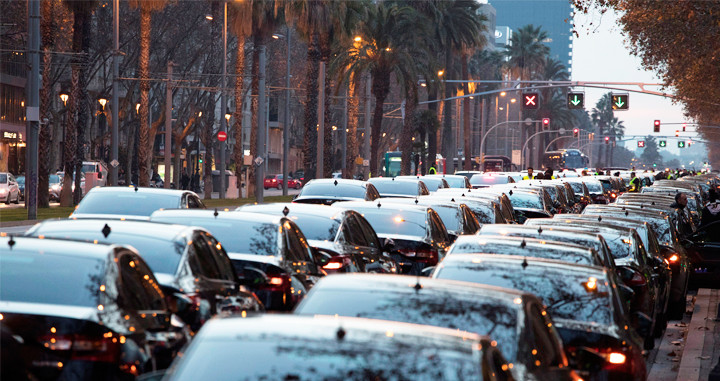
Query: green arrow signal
(663, 143)
(575, 101)
(619, 103)
(681, 144)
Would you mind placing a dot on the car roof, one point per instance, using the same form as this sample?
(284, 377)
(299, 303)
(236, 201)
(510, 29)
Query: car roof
(522, 242)
(404, 284)
(348, 182)
(208, 214)
(327, 211)
(521, 261)
(131, 189)
(137, 227)
(327, 328)
(53, 246)
(383, 205)
(499, 228)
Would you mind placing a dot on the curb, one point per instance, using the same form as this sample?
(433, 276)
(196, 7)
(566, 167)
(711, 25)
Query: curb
(10, 224)
(701, 324)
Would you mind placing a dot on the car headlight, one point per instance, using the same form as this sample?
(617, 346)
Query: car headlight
(3, 190)
(55, 187)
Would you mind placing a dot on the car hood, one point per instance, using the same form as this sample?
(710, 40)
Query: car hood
(73, 312)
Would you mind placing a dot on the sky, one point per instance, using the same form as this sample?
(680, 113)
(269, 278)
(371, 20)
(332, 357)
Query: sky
(600, 54)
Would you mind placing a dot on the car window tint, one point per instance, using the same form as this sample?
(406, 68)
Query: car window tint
(317, 227)
(399, 187)
(372, 193)
(494, 366)
(438, 231)
(202, 260)
(137, 287)
(296, 250)
(224, 265)
(123, 203)
(371, 239)
(471, 223)
(353, 232)
(193, 202)
(547, 350)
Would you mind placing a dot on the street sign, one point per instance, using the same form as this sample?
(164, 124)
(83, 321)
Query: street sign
(258, 161)
(662, 143)
(681, 144)
(641, 144)
(222, 136)
(576, 101)
(620, 102)
(114, 163)
(531, 100)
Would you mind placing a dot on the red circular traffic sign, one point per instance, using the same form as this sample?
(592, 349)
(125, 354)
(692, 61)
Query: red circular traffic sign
(222, 136)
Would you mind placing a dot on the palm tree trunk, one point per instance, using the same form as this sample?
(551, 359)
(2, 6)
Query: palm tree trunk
(411, 101)
(69, 140)
(353, 118)
(48, 41)
(448, 146)
(83, 106)
(254, 112)
(380, 89)
(238, 154)
(328, 149)
(311, 133)
(466, 113)
(145, 147)
(432, 133)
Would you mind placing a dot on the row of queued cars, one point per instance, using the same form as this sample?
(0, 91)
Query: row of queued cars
(435, 277)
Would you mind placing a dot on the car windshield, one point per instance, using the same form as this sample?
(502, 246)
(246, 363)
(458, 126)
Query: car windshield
(565, 292)
(450, 215)
(408, 188)
(478, 244)
(36, 277)
(522, 200)
(455, 182)
(317, 228)
(20, 180)
(594, 187)
(126, 203)
(237, 236)
(3, 178)
(368, 357)
(393, 221)
(432, 183)
(465, 311)
(487, 180)
(162, 255)
(331, 190)
(54, 179)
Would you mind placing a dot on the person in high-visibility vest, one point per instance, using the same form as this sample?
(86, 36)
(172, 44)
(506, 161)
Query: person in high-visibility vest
(432, 171)
(634, 183)
(549, 174)
(529, 174)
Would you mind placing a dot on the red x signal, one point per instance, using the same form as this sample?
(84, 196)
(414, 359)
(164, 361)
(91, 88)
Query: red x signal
(530, 100)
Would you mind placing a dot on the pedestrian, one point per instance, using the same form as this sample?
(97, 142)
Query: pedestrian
(634, 183)
(584, 172)
(184, 180)
(540, 176)
(549, 174)
(432, 170)
(529, 174)
(684, 227)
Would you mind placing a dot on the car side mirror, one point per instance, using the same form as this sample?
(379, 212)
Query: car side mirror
(586, 359)
(388, 245)
(251, 276)
(427, 271)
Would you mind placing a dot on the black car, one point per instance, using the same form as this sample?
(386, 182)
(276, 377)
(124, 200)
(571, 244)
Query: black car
(582, 301)
(416, 235)
(287, 347)
(399, 187)
(432, 183)
(515, 320)
(190, 264)
(328, 191)
(529, 203)
(506, 214)
(78, 311)
(270, 255)
(454, 181)
(526, 247)
(457, 217)
(133, 202)
(342, 233)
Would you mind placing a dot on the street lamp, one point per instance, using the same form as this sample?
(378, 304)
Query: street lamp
(102, 102)
(64, 97)
(286, 114)
(137, 108)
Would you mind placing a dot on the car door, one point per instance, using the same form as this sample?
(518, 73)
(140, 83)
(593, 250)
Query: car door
(373, 247)
(546, 360)
(299, 256)
(353, 241)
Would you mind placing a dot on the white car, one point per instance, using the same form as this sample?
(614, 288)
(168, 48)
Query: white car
(9, 188)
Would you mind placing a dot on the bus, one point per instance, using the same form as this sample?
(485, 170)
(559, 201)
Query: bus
(390, 164)
(567, 158)
(497, 163)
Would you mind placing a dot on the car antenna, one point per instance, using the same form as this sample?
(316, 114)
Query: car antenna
(11, 242)
(215, 213)
(539, 229)
(340, 334)
(626, 213)
(452, 199)
(653, 203)
(106, 230)
(524, 263)
(136, 188)
(416, 201)
(417, 286)
(599, 218)
(335, 182)
(523, 244)
(285, 211)
(379, 205)
(510, 192)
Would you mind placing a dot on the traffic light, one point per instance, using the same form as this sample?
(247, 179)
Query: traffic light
(684, 125)
(620, 102)
(576, 132)
(656, 126)
(662, 143)
(576, 101)
(531, 101)
(677, 133)
(591, 136)
(641, 144)
(546, 123)
(607, 140)
(681, 144)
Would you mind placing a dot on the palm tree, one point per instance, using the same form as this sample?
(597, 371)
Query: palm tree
(381, 53)
(426, 125)
(145, 149)
(486, 64)
(527, 52)
(241, 25)
(602, 116)
(616, 130)
(48, 25)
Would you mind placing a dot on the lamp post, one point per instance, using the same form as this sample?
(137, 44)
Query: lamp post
(102, 124)
(223, 102)
(286, 114)
(64, 96)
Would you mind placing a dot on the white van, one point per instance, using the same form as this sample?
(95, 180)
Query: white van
(96, 167)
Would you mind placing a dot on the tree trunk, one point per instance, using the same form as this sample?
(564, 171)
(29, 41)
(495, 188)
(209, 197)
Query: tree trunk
(353, 118)
(44, 148)
(380, 89)
(432, 134)
(145, 146)
(208, 142)
(254, 112)
(408, 130)
(238, 154)
(69, 152)
(448, 141)
(466, 114)
(311, 121)
(328, 149)
(83, 106)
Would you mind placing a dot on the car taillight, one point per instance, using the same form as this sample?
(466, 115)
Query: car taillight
(100, 349)
(673, 259)
(275, 281)
(615, 358)
(636, 280)
(333, 266)
(274, 180)
(613, 195)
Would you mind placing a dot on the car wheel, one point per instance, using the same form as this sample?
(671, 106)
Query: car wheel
(298, 186)
(279, 187)
(17, 199)
(265, 188)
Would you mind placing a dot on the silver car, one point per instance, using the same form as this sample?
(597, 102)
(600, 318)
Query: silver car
(9, 189)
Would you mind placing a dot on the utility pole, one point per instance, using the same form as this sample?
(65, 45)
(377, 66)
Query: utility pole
(223, 103)
(286, 117)
(33, 109)
(262, 126)
(115, 106)
(168, 125)
(366, 147)
(321, 122)
(344, 132)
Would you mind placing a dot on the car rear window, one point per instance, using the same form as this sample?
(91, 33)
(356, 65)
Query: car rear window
(466, 311)
(125, 203)
(521, 200)
(33, 277)
(393, 221)
(480, 245)
(407, 188)
(317, 228)
(563, 291)
(331, 190)
(487, 180)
